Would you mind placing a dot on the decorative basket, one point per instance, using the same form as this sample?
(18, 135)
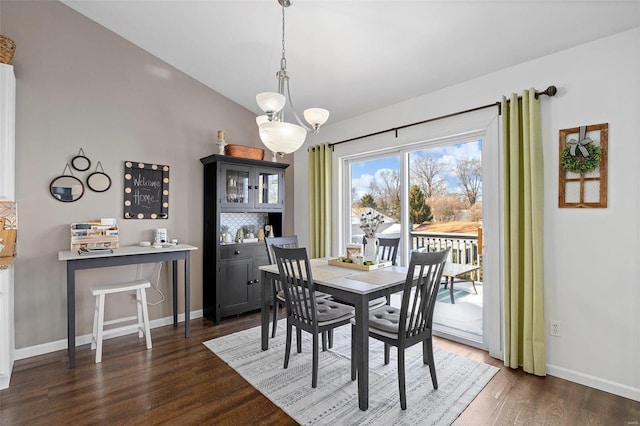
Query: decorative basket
(244, 152)
(7, 49)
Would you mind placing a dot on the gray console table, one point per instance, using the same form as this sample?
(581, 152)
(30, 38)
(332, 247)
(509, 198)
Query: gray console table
(125, 256)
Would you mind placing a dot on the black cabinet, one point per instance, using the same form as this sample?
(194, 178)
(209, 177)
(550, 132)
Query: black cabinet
(238, 194)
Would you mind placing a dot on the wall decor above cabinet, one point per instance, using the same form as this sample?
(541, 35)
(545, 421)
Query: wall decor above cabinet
(146, 191)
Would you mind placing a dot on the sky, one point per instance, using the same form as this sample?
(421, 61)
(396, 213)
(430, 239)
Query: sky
(363, 173)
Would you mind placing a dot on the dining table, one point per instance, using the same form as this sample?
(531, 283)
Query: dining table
(354, 286)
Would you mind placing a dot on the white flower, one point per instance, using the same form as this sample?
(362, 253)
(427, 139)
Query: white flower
(369, 222)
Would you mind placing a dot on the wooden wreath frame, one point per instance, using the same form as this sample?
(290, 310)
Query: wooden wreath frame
(582, 180)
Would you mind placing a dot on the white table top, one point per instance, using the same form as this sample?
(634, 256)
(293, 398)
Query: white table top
(352, 280)
(124, 251)
(455, 269)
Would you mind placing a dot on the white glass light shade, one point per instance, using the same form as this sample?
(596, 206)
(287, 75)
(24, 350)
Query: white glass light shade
(270, 102)
(316, 116)
(281, 136)
(261, 119)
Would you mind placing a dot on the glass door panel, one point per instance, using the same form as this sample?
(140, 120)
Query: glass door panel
(376, 185)
(236, 186)
(269, 188)
(445, 210)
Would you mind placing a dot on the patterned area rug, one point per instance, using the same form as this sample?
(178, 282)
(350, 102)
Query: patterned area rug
(335, 400)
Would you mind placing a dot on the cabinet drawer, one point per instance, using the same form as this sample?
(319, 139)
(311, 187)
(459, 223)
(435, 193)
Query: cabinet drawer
(241, 251)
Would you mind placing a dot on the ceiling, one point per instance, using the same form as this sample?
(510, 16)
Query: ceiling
(354, 56)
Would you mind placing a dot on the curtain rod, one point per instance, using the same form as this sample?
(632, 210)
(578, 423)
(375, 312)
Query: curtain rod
(550, 91)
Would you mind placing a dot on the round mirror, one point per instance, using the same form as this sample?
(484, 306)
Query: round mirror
(80, 163)
(66, 188)
(98, 182)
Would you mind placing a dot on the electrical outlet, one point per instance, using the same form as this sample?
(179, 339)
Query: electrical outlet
(554, 328)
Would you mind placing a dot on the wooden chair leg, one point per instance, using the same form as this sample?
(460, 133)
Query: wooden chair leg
(324, 341)
(387, 348)
(299, 340)
(276, 304)
(427, 355)
(330, 338)
(287, 349)
(401, 383)
(316, 355)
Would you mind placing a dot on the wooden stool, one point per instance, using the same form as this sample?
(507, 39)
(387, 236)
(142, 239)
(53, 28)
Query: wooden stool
(98, 317)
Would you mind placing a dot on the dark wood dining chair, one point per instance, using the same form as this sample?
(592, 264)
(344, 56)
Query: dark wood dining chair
(304, 310)
(290, 241)
(388, 250)
(277, 292)
(412, 322)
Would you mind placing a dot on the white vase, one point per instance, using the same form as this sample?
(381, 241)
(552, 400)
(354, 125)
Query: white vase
(372, 244)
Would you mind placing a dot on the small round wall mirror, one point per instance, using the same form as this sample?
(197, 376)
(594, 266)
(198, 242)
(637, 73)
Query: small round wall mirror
(99, 181)
(80, 162)
(66, 188)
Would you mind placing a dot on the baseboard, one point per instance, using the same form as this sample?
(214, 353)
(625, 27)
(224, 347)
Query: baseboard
(59, 345)
(594, 382)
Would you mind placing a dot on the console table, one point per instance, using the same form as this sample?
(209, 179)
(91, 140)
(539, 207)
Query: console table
(125, 256)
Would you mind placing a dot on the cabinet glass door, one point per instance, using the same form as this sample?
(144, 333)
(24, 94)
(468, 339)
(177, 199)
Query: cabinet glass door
(269, 187)
(237, 186)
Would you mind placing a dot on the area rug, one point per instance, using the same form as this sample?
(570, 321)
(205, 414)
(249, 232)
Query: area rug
(335, 400)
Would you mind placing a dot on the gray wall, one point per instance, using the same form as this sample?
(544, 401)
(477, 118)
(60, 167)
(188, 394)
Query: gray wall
(81, 86)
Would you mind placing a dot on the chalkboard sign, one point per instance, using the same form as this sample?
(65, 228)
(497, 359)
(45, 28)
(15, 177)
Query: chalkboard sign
(146, 191)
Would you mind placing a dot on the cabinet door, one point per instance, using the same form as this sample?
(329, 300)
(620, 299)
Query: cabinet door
(269, 188)
(256, 288)
(235, 291)
(236, 186)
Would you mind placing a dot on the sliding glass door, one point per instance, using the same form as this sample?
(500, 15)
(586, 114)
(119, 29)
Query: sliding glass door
(445, 210)
(431, 196)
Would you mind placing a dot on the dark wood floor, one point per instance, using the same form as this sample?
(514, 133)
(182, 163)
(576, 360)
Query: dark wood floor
(181, 382)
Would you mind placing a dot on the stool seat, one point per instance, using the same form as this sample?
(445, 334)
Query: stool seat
(120, 287)
(142, 325)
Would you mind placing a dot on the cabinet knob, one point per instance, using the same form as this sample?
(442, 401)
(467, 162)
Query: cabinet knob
(236, 252)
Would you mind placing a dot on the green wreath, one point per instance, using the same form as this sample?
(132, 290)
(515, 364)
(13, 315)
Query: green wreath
(579, 163)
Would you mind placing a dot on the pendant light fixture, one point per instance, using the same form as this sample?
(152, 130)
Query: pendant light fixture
(276, 134)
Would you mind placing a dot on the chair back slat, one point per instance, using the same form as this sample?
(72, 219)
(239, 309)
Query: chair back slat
(388, 249)
(420, 292)
(290, 241)
(297, 283)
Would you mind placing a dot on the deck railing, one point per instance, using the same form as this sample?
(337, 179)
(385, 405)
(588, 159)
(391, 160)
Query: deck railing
(464, 247)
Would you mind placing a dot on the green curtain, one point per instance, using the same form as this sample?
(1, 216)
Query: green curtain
(320, 200)
(523, 195)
